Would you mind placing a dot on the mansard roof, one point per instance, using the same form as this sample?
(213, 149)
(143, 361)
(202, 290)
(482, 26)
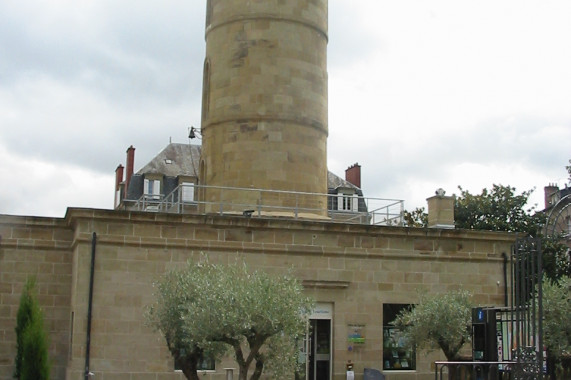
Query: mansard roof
(175, 160)
(178, 159)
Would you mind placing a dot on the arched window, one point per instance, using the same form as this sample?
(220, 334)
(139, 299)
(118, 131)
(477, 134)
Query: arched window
(206, 90)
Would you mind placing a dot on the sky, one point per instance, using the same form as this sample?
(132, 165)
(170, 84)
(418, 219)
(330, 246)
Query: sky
(423, 94)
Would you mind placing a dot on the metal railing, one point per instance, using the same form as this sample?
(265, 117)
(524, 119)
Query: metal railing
(502, 370)
(478, 370)
(188, 198)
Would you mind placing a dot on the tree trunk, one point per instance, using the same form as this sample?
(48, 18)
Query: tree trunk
(189, 369)
(551, 364)
(259, 368)
(453, 372)
(243, 372)
(242, 364)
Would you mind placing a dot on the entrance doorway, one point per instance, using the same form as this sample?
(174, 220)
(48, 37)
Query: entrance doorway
(319, 362)
(315, 352)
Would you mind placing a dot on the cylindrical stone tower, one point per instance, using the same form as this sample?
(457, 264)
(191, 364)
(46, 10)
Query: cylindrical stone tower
(264, 111)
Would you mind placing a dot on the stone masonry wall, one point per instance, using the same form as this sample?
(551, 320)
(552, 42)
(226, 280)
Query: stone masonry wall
(355, 268)
(39, 247)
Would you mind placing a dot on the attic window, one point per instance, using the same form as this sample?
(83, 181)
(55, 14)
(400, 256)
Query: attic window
(167, 161)
(347, 200)
(152, 189)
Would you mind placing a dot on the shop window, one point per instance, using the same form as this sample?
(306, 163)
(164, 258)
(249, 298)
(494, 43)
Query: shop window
(396, 356)
(206, 364)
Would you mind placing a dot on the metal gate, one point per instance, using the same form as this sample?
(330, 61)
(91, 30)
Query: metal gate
(518, 327)
(526, 311)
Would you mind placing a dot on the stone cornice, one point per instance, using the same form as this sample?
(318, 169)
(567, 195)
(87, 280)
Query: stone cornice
(74, 215)
(302, 121)
(267, 16)
(231, 233)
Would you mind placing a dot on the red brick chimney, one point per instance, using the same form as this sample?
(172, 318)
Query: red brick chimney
(130, 166)
(118, 176)
(548, 192)
(118, 181)
(353, 175)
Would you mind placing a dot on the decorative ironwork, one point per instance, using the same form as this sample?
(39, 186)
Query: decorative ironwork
(519, 326)
(528, 364)
(527, 309)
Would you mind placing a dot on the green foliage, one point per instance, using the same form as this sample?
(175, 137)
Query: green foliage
(498, 209)
(556, 264)
(568, 167)
(438, 321)
(175, 292)
(416, 218)
(22, 321)
(557, 316)
(258, 315)
(501, 209)
(32, 361)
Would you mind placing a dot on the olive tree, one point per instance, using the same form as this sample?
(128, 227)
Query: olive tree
(438, 321)
(174, 293)
(257, 315)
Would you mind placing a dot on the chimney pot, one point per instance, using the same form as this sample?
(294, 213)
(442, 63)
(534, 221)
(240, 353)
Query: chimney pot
(118, 176)
(353, 175)
(548, 192)
(130, 166)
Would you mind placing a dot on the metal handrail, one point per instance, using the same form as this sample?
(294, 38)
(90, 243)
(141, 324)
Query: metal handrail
(479, 370)
(370, 210)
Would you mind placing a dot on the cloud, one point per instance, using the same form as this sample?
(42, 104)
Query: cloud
(82, 81)
(40, 188)
(422, 94)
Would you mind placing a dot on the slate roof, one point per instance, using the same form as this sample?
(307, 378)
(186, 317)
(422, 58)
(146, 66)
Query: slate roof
(335, 182)
(175, 160)
(185, 161)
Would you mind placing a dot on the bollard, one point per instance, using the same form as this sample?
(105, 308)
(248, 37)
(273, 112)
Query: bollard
(229, 373)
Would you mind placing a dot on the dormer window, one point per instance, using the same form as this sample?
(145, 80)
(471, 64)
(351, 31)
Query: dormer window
(188, 192)
(152, 189)
(347, 200)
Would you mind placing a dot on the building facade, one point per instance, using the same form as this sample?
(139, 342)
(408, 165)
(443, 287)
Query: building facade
(357, 274)
(558, 212)
(264, 126)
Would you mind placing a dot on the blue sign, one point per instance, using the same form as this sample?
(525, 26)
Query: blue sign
(480, 315)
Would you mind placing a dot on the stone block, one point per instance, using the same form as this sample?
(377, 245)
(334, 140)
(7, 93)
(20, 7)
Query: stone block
(147, 230)
(124, 229)
(209, 234)
(20, 233)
